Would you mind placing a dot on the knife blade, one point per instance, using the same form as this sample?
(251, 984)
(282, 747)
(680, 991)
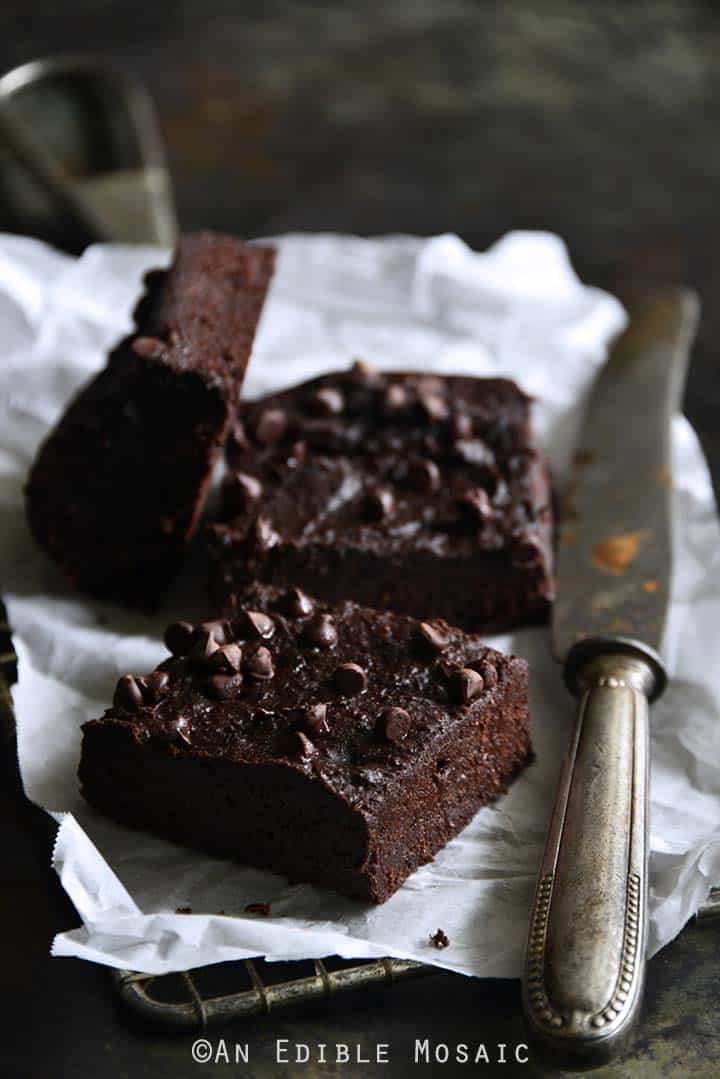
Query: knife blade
(584, 970)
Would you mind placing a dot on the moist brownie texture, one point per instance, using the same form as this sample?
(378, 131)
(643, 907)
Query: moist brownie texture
(117, 488)
(339, 746)
(422, 494)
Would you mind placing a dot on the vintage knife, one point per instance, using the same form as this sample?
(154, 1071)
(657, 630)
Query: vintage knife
(585, 959)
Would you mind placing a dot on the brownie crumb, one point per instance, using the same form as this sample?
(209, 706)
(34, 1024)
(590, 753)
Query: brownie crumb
(183, 910)
(263, 909)
(439, 939)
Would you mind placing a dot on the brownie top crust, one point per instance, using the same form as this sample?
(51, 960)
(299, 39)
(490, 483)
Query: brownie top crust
(352, 696)
(388, 462)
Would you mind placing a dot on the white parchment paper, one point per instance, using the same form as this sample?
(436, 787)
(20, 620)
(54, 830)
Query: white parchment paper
(517, 309)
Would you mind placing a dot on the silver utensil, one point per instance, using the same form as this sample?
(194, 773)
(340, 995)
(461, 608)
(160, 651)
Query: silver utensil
(585, 965)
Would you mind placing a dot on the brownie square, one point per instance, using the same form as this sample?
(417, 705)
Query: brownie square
(117, 488)
(337, 745)
(417, 493)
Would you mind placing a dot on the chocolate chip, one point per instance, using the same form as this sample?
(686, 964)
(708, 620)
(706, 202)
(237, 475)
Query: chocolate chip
(362, 372)
(179, 638)
(297, 454)
(476, 503)
(259, 664)
(223, 686)
(226, 659)
(434, 635)
(526, 550)
(461, 426)
(489, 673)
(473, 451)
(433, 406)
(128, 694)
(314, 719)
(302, 746)
(252, 624)
(264, 535)
(271, 426)
(156, 685)
(320, 632)
(379, 502)
(327, 401)
(148, 348)
(240, 492)
(219, 628)
(295, 603)
(423, 475)
(466, 684)
(204, 646)
(350, 679)
(395, 398)
(180, 729)
(394, 724)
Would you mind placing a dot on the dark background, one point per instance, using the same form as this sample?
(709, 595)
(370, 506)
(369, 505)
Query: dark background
(596, 120)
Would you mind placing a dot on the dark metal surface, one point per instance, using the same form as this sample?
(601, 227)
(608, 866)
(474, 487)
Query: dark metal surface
(614, 547)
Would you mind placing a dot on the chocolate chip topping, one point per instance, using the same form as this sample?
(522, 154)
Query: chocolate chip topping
(461, 426)
(155, 685)
(314, 719)
(259, 664)
(475, 502)
(179, 638)
(223, 686)
(350, 679)
(423, 475)
(466, 684)
(219, 629)
(128, 694)
(489, 673)
(320, 632)
(433, 406)
(204, 646)
(327, 401)
(379, 502)
(148, 348)
(271, 426)
(264, 535)
(395, 398)
(394, 724)
(253, 624)
(439, 939)
(226, 659)
(241, 492)
(302, 746)
(296, 603)
(433, 635)
(179, 729)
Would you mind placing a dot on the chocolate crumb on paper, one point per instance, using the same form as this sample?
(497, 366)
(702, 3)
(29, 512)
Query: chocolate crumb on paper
(439, 939)
(263, 909)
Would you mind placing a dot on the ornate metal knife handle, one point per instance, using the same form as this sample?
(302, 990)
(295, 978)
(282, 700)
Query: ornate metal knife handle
(585, 959)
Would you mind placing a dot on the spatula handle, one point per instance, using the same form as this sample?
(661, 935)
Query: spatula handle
(585, 959)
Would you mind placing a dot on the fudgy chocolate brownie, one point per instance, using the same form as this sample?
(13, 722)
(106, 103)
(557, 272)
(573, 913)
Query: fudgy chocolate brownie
(421, 494)
(117, 488)
(340, 746)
